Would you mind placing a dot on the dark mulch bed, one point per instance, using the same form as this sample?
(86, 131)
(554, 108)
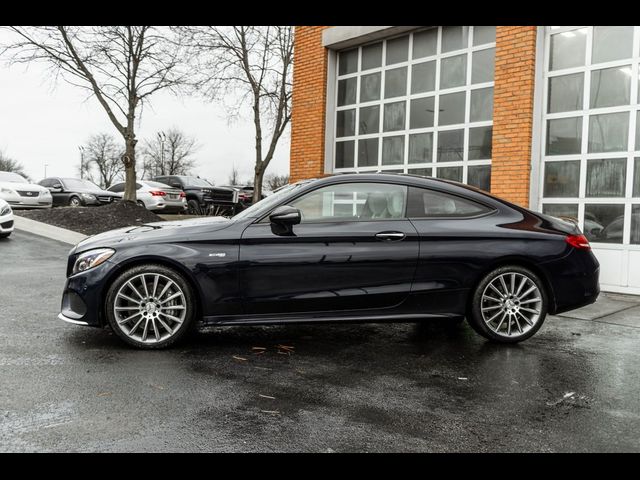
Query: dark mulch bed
(92, 220)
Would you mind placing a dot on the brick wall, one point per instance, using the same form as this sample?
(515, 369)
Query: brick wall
(308, 104)
(513, 113)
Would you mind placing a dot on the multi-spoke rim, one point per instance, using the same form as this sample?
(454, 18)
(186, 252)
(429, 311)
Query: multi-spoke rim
(150, 308)
(511, 304)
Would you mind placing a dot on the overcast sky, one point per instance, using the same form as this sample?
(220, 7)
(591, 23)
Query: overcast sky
(44, 124)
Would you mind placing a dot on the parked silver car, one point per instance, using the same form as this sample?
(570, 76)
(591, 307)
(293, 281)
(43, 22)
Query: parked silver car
(155, 196)
(19, 193)
(6, 219)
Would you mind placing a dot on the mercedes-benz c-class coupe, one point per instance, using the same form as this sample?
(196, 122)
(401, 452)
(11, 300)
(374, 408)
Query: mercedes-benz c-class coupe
(6, 219)
(356, 247)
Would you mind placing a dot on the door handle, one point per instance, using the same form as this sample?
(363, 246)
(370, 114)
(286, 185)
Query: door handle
(390, 236)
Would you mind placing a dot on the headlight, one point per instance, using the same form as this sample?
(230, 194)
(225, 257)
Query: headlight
(91, 259)
(45, 193)
(7, 190)
(88, 196)
(6, 210)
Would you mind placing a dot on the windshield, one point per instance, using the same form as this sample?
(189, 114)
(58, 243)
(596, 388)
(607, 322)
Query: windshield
(195, 182)
(12, 177)
(263, 206)
(77, 184)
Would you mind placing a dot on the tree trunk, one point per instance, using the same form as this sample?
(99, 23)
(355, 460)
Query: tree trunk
(129, 160)
(257, 184)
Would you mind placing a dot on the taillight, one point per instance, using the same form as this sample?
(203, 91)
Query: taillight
(157, 193)
(183, 195)
(578, 241)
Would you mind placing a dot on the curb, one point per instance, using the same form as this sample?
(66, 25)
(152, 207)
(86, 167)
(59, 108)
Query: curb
(45, 230)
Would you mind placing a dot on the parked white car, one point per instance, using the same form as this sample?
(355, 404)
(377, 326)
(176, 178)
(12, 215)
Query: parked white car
(155, 196)
(6, 219)
(19, 193)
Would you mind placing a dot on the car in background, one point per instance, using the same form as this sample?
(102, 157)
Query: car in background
(6, 219)
(202, 196)
(76, 192)
(245, 194)
(18, 192)
(155, 196)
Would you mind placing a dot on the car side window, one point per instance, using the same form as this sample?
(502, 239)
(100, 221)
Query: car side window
(117, 188)
(46, 183)
(352, 202)
(424, 203)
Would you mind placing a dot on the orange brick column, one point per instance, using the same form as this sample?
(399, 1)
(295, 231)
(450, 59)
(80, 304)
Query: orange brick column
(513, 113)
(308, 104)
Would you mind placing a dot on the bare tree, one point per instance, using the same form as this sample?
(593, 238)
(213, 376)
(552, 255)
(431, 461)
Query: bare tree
(275, 181)
(170, 153)
(103, 155)
(255, 61)
(234, 176)
(122, 66)
(8, 164)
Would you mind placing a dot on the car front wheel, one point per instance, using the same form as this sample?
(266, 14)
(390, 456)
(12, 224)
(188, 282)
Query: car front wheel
(150, 306)
(509, 305)
(75, 202)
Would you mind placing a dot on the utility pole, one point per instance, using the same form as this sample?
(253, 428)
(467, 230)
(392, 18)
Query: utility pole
(81, 148)
(45, 169)
(162, 137)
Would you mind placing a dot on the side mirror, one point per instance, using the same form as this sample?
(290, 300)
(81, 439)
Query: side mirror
(283, 219)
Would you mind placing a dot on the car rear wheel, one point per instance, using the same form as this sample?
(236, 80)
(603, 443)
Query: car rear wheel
(150, 306)
(74, 202)
(509, 305)
(141, 204)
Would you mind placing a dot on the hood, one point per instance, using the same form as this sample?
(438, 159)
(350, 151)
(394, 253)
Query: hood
(156, 232)
(29, 187)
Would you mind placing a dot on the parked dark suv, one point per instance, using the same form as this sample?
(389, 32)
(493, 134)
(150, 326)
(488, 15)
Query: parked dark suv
(75, 192)
(201, 195)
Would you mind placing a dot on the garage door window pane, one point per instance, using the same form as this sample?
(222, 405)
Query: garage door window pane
(562, 179)
(454, 38)
(606, 177)
(368, 152)
(610, 87)
(561, 210)
(635, 224)
(636, 177)
(423, 172)
(424, 43)
(480, 142)
(603, 223)
(483, 34)
(638, 130)
(568, 49)
(480, 176)
(451, 109)
(608, 133)
(348, 62)
(370, 87)
(397, 50)
(450, 145)
(369, 120)
(612, 43)
(566, 93)
(395, 82)
(344, 154)
(347, 91)
(421, 115)
(483, 65)
(453, 71)
(346, 123)
(481, 104)
(451, 173)
(564, 136)
(394, 116)
(421, 148)
(371, 56)
(393, 150)
(423, 77)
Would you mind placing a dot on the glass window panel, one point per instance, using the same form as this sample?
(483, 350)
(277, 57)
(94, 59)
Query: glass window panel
(562, 179)
(368, 152)
(425, 172)
(450, 173)
(480, 176)
(372, 56)
(348, 62)
(604, 223)
(564, 136)
(346, 123)
(423, 77)
(395, 82)
(421, 115)
(635, 224)
(397, 50)
(612, 43)
(483, 65)
(425, 43)
(347, 91)
(393, 150)
(609, 132)
(369, 120)
(450, 145)
(453, 71)
(421, 148)
(451, 109)
(344, 154)
(394, 116)
(566, 93)
(481, 105)
(568, 49)
(454, 38)
(483, 34)
(480, 143)
(636, 177)
(370, 87)
(610, 87)
(606, 177)
(638, 130)
(561, 210)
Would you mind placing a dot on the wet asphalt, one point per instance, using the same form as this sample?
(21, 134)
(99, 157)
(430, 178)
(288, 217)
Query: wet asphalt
(429, 387)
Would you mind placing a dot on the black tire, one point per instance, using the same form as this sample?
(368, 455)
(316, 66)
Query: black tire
(193, 207)
(478, 323)
(75, 201)
(150, 269)
(141, 204)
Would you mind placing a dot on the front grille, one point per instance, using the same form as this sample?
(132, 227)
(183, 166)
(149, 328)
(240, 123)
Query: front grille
(223, 196)
(8, 224)
(104, 199)
(24, 193)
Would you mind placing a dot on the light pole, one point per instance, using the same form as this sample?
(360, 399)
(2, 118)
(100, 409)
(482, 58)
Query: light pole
(81, 148)
(162, 137)
(45, 169)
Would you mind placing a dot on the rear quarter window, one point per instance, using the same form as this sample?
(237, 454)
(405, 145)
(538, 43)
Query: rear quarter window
(425, 203)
